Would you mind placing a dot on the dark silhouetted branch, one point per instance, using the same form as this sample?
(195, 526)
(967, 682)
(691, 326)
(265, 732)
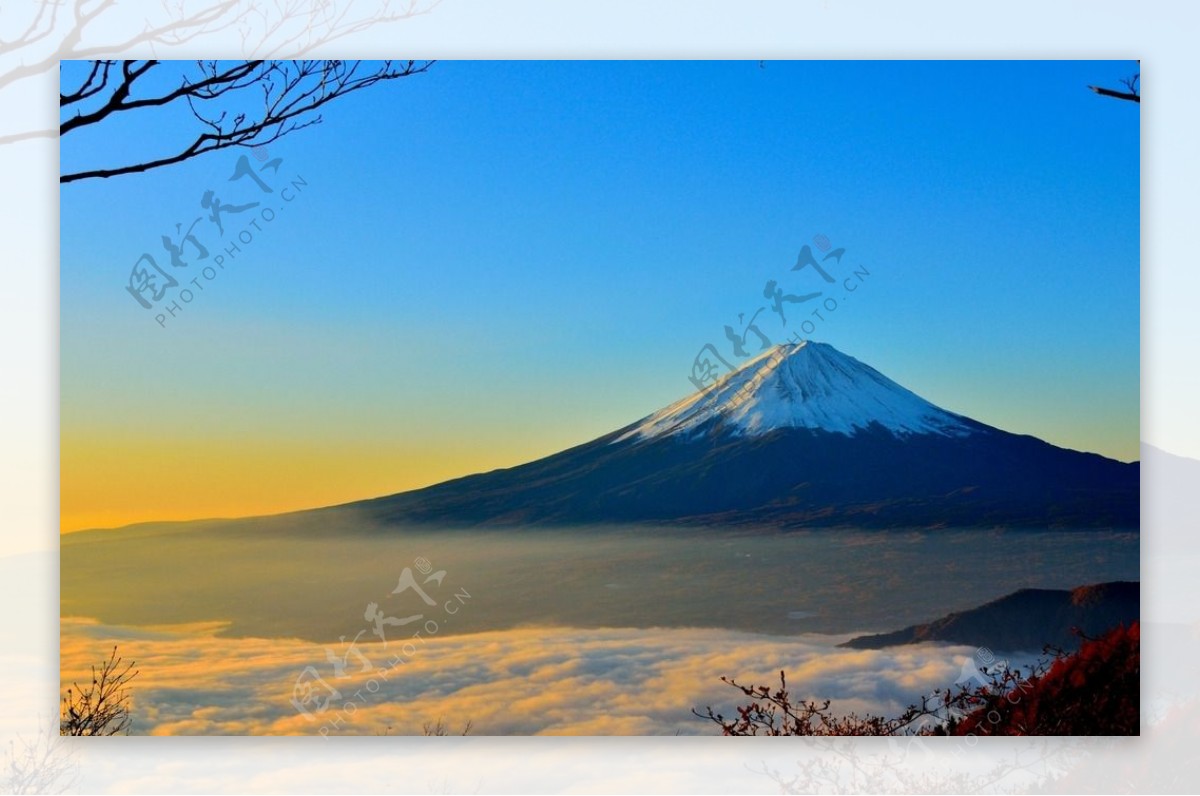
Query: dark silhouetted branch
(246, 103)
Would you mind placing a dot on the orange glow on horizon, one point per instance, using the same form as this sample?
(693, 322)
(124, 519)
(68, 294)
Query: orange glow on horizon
(108, 482)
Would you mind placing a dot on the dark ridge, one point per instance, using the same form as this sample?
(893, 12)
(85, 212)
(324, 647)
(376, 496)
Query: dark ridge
(1027, 620)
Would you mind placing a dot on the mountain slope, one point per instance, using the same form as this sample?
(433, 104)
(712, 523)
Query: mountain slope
(801, 436)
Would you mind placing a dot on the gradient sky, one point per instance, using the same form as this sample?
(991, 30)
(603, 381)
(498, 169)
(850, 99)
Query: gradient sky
(493, 261)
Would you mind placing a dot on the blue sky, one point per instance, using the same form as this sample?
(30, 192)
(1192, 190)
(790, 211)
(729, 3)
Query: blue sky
(492, 261)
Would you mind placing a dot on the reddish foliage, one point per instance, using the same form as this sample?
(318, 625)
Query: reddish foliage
(1092, 692)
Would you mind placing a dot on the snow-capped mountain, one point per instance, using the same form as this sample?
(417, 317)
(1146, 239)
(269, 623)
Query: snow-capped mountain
(800, 436)
(802, 385)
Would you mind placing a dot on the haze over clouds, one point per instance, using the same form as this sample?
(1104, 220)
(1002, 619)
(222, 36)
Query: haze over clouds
(608, 631)
(310, 576)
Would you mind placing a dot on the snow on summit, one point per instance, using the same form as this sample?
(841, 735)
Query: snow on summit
(803, 385)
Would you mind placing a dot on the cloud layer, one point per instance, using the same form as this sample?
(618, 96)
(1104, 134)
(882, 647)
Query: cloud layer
(554, 681)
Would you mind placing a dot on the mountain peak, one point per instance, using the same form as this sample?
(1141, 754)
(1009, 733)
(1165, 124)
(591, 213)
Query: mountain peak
(807, 385)
(862, 452)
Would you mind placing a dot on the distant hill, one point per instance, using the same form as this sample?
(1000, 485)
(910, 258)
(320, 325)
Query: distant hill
(1026, 620)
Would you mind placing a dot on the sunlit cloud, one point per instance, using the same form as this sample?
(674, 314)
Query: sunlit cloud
(528, 681)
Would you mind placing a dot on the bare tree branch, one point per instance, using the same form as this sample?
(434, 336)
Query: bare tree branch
(1132, 92)
(1124, 95)
(291, 94)
(176, 31)
(102, 706)
(130, 72)
(56, 31)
